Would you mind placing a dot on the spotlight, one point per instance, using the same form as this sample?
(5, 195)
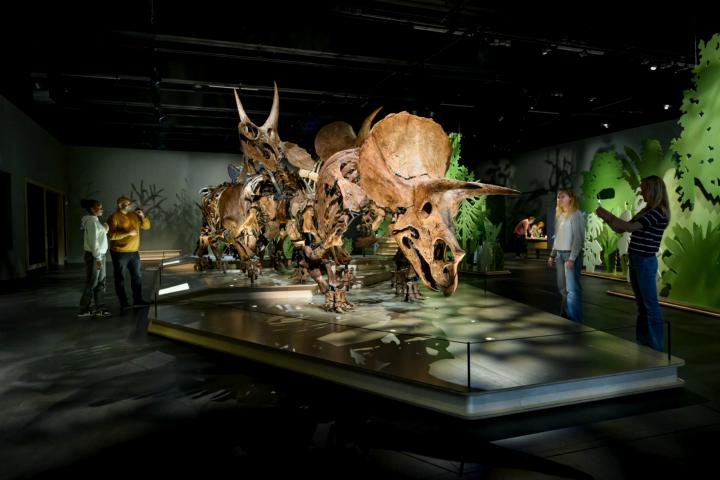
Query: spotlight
(546, 50)
(653, 67)
(605, 125)
(666, 106)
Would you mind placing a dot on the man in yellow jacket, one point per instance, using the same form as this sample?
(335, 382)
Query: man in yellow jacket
(124, 235)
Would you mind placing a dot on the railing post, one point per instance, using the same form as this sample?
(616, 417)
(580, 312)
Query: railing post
(468, 368)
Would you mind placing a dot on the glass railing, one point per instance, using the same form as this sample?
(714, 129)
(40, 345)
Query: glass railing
(474, 341)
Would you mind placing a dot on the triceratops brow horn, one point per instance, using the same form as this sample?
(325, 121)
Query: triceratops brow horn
(455, 191)
(365, 128)
(272, 120)
(241, 110)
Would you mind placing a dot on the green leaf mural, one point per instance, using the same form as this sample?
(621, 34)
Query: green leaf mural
(650, 161)
(690, 247)
(606, 171)
(608, 240)
(691, 243)
(693, 263)
(698, 146)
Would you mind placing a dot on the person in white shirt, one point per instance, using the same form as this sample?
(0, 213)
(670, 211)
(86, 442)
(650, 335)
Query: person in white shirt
(95, 244)
(567, 254)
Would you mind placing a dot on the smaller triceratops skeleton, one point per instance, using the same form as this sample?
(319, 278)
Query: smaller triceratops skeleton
(251, 212)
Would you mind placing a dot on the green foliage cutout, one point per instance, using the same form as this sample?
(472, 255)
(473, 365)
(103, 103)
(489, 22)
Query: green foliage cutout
(470, 219)
(382, 230)
(693, 265)
(288, 248)
(606, 171)
(456, 171)
(692, 241)
(690, 169)
(650, 161)
(699, 143)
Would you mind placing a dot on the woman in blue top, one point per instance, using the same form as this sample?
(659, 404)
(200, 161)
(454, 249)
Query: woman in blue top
(647, 228)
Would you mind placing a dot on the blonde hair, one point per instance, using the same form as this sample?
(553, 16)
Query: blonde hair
(572, 207)
(657, 195)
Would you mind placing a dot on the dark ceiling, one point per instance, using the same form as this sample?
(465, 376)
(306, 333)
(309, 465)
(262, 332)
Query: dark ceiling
(157, 74)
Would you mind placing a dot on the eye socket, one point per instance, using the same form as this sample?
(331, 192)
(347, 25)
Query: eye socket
(427, 208)
(249, 131)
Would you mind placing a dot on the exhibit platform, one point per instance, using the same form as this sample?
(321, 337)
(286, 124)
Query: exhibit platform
(471, 355)
(626, 292)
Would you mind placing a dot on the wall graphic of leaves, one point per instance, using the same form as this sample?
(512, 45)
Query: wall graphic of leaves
(182, 219)
(608, 240)
(693, 264)
(149, 198)
(653, 161)
(699, 143)
(606, 171)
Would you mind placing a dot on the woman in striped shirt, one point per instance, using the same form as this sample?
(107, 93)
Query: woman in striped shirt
(647, 228)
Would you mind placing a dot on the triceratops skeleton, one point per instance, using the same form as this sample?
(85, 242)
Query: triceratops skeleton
(400, 169)
(251, 212)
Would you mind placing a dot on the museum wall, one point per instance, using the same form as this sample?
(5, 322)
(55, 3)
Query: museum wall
(539, 173)
(165, 184)
(27, 153)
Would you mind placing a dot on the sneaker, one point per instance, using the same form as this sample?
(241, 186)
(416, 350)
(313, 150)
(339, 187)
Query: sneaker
(84, 313)
(102, 313)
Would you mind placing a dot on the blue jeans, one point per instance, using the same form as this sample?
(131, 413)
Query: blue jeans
(568, 282)
(130, 262)
(94, 282)
(649, 329)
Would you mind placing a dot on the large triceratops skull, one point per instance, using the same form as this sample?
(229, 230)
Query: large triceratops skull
(261, 145)
(401, 168)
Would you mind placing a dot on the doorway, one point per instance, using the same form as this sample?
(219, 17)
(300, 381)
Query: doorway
(45, 220)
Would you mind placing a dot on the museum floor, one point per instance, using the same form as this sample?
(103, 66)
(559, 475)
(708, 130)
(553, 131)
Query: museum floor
(101, 398)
